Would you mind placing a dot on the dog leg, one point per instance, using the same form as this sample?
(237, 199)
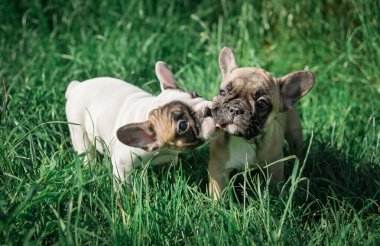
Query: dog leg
(271, 151)
(293, 133)
(121, 174)
(218, 173)
(218, 179)
(277, 173)
(81, 142)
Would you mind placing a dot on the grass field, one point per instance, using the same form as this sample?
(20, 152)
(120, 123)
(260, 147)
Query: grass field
(47, 196)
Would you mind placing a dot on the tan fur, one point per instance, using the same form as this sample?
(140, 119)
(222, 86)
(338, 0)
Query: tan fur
(269, 149)
(165, 126)
(219, 174)
(229, 152)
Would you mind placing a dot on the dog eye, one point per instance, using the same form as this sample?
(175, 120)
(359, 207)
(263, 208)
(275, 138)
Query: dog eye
(183, 125)
(222, 93)
(262, 104)
(194, 94)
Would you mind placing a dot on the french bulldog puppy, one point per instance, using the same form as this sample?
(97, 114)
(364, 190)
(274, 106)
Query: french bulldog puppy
(256, 111)
(134, 126)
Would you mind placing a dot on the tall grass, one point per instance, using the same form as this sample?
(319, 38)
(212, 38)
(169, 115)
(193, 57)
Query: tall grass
(48, 196)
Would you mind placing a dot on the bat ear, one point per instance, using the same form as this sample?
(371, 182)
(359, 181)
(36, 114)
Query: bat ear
(165, 76)
(294, 86)
(139, 135)
(226, 61)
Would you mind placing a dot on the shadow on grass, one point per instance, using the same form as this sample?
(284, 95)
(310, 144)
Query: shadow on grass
(329, 175)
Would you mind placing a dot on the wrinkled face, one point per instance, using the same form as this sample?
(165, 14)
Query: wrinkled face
(181, 121)
(180, 126)
(248, 100)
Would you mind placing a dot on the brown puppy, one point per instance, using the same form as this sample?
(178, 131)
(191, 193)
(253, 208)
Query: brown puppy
(255, 109)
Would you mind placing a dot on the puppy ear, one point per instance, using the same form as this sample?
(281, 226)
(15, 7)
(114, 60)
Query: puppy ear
(294, 86)
(138, 135)
(165, 76)
(226, 61)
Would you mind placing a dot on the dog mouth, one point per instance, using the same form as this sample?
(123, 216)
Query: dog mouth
(241, 123)
(233, 129)
(184, 147)
(194, 145)
(246, 130)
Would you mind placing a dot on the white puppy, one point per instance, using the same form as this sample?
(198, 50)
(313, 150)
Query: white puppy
(135, 125)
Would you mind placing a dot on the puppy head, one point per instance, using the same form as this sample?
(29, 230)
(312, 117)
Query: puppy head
(174, 125)
(250, 98)
(183, 122)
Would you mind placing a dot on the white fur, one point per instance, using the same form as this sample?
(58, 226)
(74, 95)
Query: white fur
(241, 153)
(100, 106)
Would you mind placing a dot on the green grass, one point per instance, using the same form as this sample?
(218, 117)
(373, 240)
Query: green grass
(47, 196)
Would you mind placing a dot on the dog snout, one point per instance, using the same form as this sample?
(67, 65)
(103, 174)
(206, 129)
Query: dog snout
(206, 112)
(234, 111)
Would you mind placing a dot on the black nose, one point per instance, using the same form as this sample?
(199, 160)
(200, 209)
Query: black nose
(206, 112)
(235, 111)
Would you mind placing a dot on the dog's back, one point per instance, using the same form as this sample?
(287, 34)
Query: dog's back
(94, 105)
(70, 87)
